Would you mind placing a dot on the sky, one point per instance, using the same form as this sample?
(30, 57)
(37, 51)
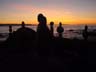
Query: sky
(65, 11)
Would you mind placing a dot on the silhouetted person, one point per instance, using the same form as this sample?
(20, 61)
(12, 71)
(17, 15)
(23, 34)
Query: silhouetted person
(52, 28)
(10, 29)
(24, 38)
(42, 29)
(60, 30)
(9, 40)
(23, 24)
(43, 35)
(85, 33)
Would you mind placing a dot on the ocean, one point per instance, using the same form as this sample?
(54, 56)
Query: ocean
(70, 31)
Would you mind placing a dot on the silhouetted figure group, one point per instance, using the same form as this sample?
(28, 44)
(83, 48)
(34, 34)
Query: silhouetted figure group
(42, 37)
(27, 42)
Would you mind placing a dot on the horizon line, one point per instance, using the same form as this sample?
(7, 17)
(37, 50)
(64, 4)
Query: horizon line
(47, 24)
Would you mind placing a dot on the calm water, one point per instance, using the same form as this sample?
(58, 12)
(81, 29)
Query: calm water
(70, 31)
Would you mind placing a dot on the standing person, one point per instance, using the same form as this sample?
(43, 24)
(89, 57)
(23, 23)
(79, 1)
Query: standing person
(10, 30)
(43, 32)
(85, 32)
(25, 36)
(43, 35)
(43, 41)
(52, 28)
(60, 30)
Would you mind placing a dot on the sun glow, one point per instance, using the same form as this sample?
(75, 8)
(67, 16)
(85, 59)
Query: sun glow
(27, 11)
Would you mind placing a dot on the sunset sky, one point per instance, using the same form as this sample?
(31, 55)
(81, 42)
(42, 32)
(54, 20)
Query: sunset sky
(65, 11)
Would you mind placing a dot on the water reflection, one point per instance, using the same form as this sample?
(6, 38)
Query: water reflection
(71, 31)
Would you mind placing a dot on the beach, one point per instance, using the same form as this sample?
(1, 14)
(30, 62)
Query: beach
(23, 48)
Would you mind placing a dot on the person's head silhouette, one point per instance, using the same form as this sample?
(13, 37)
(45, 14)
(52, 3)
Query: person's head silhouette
(60, 24)
(42, 19)
(23, 24)
(51, 23)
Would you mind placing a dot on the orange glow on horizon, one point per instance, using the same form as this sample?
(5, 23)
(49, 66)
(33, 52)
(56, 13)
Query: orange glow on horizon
(29, 15)
(55, 20)
(65, 11)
